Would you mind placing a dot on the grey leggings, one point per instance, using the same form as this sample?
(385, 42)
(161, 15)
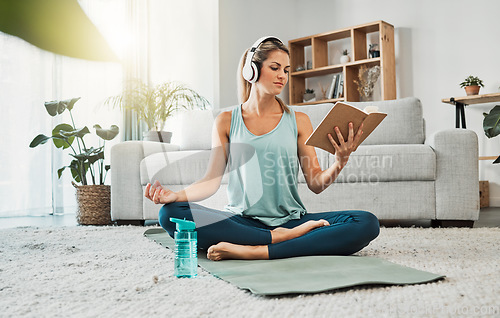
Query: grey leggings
(348, 232)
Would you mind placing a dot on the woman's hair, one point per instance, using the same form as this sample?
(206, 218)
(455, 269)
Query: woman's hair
(260, 55)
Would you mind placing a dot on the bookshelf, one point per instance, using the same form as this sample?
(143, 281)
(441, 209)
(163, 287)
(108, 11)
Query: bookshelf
(358, 37)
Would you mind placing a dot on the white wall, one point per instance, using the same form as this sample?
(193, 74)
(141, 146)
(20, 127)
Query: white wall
(183, 44)
(438, 44)
(241, 23)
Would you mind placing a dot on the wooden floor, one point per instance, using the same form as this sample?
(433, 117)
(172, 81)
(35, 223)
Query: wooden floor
(488, 217)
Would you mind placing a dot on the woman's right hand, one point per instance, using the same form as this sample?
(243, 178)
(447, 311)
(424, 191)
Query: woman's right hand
(159, 195)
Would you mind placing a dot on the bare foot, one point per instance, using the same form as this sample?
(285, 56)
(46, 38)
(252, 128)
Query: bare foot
(225, 250)
(281, 234)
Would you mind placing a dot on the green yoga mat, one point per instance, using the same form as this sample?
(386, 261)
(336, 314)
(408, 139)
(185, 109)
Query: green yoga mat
(306, 274)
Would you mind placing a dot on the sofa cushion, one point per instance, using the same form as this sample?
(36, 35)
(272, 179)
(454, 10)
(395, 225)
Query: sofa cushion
(383, 163)
(373, 164)
(176, 167)
(194, 129)
(403, 124)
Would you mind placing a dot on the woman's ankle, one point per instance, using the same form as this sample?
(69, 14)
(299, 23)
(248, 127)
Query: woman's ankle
(281, 234)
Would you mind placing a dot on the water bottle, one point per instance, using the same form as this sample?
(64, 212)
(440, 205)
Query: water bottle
(186, 258)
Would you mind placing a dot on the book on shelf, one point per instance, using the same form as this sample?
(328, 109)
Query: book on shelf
(340, 115)
(341, 89)
(333, 86)
(337, 85)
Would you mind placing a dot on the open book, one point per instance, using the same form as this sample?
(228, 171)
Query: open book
(341, 115)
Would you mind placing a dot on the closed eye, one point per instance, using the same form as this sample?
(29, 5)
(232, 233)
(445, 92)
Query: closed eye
(277, 68)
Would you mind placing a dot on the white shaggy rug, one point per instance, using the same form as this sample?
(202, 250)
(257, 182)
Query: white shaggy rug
(115, 271)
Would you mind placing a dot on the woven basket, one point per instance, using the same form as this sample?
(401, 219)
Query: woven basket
(94, 204)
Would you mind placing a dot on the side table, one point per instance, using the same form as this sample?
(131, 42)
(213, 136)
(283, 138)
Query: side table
(461, 102)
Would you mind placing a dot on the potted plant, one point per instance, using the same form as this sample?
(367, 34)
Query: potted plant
(309, 95)
(345, 58)
(155, 104)
(491, 125)
(93, 198)
(472, 85)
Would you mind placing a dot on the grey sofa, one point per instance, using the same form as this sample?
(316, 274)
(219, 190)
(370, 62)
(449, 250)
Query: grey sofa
(397, 173)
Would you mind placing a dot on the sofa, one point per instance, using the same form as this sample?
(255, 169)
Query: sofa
(398, 173)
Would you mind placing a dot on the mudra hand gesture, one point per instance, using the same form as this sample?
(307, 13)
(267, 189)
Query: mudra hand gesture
(345, 148)
(159, 195)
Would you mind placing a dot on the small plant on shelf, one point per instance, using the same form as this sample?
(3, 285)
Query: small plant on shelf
(345, 58)
(309, 95)
(472, 84)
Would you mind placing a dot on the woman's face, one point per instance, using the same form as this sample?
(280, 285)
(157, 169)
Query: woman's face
(274, 73)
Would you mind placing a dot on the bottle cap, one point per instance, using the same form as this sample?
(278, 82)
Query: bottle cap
(183, 225)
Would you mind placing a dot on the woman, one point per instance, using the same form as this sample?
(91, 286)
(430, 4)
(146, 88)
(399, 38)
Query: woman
(264, 142)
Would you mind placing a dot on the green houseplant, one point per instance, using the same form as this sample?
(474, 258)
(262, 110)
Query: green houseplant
(64, 135)
(154, 104)
(491, 125)
(93, 199)
(472, 84)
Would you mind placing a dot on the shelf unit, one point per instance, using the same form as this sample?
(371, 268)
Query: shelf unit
(319, 45)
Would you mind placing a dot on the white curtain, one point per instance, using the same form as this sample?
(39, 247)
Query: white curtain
(29, 77)
(184, 39)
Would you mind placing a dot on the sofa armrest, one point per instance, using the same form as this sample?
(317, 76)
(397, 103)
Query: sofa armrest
(126, 189)
(457, 175)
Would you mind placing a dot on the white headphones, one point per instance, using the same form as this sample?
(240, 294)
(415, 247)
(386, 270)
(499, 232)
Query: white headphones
(250, 69)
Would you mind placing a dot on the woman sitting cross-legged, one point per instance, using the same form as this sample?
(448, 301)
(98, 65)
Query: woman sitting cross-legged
(263, 142)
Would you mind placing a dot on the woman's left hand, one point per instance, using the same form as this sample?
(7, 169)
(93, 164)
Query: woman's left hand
(345, 148)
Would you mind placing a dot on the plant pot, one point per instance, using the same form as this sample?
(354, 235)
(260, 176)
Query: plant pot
(345, 59)
(309, 96)
(160, 136)
(94, 204)
(472, 90)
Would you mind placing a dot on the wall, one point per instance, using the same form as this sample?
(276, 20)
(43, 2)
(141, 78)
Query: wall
(183, 44)
(241, 23)
(438, 44)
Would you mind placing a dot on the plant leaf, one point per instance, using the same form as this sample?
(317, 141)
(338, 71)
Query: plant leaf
(69, 103)
(54, 107)
(39, 140)
(75, 171)
(60, 171)
(96, 157)
(61, 141)
(107, 134)
(75, 132)
(84, 156)
(491, 122)
(57, 107)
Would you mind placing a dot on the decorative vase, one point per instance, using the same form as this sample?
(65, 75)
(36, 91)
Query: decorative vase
(472, 90)
(345, 59)
(160, 136)
(94, 204)
(365, 98)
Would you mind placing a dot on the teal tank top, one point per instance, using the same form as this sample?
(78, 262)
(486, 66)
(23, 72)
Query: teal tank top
(263, 171)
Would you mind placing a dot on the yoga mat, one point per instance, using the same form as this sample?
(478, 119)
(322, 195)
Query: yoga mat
(306, 274)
